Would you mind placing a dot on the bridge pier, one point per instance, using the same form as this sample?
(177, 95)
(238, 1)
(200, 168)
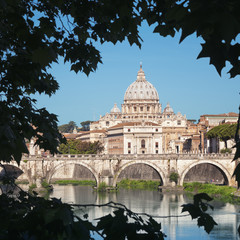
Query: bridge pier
(108, 180)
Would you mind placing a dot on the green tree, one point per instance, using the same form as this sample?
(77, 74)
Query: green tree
(74, 146)
(67, 128)
(85, 125)
(223, 132)
(33, 35)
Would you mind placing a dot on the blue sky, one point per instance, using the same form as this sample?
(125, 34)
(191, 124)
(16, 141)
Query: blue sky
(191, 86)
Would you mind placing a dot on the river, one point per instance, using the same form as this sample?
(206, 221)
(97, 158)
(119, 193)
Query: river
(157, 204)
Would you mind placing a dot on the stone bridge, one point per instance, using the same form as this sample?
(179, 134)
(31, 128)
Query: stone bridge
(107, 168)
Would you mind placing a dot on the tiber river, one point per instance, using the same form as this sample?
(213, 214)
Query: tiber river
(157, 204)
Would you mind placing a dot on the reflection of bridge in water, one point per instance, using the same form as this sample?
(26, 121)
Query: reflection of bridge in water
(110, 168)
(156, 204)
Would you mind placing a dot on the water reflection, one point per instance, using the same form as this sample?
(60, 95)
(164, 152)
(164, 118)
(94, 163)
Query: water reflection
(157, 204)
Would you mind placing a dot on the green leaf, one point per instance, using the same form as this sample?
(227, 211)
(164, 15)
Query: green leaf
(194, 211)
(207, 222)
(201, 196)
(216, 50)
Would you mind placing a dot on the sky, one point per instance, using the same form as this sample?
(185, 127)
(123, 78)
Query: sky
(190, 86)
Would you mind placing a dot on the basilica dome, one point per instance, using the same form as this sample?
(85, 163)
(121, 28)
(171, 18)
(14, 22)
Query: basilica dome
(141, 89)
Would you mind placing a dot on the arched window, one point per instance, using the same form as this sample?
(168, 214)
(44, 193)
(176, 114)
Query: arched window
(143, 143)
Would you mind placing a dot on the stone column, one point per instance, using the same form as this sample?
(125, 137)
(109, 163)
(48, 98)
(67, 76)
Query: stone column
(202, 141)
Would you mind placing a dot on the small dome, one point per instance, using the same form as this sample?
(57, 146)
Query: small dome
(141, 89)
(115, 109)
(168, 109)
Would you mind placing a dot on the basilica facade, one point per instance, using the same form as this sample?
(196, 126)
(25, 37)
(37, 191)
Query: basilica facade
(141, 126)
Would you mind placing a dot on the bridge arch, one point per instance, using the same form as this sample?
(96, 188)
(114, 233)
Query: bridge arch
(59, 166)
(220, 167)
(154, 166)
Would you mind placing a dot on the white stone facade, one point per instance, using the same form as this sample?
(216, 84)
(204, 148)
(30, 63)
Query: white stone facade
(141, 126)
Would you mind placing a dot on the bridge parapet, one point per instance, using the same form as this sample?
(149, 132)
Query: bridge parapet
(187, 156)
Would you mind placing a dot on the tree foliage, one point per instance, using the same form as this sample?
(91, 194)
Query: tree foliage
(67, 128)
(34, 34)
(223, 132)
(216, 22)
(74, 146)
(85, 125)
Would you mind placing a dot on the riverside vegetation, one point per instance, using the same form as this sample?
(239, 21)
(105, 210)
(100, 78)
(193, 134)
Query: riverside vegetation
(125, 183)
(223, 193)
(76, 182)
(139, 184)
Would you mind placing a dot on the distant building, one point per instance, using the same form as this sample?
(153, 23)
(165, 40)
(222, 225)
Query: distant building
(141, 127)
(207, 122)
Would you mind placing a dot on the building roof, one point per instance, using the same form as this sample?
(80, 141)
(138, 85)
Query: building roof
(71, 135)
(230, 114)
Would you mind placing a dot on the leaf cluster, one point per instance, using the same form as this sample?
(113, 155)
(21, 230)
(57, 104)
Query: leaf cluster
(30, 217)
(216, 22)
(75, 146)
(198, 209)
(124, 224)
(33, 35)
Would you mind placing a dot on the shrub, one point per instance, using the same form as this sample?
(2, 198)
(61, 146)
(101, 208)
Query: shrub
(139, 184)
(76, 182)
(224, 193)
(226, 150)
(102, 187)
(174, 177)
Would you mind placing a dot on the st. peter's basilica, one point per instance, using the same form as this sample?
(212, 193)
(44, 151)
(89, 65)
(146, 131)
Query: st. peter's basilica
(141, 127)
